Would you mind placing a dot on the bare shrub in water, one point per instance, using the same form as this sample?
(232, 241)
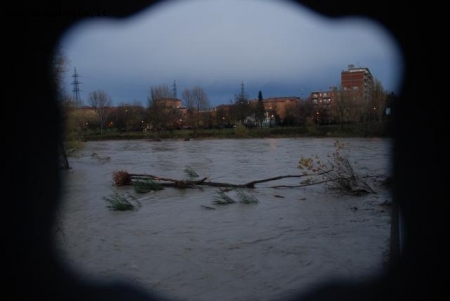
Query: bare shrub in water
(336, 171)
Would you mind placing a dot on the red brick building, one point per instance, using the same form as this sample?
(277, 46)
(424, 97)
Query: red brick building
(170, 103)
(357, 83)
(323, 102)
(356, 89)
(279, 105)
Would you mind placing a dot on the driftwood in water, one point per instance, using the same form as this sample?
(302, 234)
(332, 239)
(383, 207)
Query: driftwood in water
(122, 178)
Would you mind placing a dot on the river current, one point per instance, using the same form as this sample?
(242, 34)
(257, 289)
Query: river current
(180, 244)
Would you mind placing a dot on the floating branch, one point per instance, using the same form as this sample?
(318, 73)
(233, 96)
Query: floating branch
(146, 185)
(123, 178)
(310, 183)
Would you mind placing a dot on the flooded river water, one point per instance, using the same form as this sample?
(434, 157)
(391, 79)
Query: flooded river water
(292, 239)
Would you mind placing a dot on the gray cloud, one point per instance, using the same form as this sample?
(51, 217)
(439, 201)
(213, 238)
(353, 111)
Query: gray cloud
(218, 44)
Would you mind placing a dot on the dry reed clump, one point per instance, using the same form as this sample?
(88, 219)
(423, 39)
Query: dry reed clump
(245, 198)
(223, 199)
(190, 172)
(121, 178)
(118, 202)
(146, 185)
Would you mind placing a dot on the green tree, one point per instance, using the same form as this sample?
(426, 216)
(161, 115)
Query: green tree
(259, 110)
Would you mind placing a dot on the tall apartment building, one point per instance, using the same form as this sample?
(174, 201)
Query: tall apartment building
(357, 84)
(355, 92)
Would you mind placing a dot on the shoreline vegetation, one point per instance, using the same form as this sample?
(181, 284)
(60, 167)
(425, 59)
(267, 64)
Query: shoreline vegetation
(368, 130)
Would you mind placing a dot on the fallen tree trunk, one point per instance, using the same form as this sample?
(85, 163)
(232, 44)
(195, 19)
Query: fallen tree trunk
(122, 178)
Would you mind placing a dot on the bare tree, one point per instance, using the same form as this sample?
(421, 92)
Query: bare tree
(292, 116)
(128, 117)
(241, 105)
(378, 100)
(101, 102)
(156, 113)
(160, 92)
(349, 106)
(223, 116)
(163, 108)
(196, 101)
(305, 111)
(59, 66)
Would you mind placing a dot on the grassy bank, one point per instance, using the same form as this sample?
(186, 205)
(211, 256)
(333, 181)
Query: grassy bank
(376, 129)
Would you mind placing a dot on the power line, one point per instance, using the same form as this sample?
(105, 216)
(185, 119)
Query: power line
(76, 88)
(174, 89)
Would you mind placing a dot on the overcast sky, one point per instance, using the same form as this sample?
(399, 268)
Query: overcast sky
(273, 46)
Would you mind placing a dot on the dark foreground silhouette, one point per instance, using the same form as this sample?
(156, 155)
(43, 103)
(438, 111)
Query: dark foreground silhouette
(31, 269)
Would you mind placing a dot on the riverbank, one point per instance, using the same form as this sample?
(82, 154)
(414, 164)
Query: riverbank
(374, 129)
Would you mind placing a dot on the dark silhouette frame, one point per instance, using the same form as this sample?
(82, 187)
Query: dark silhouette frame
(31, 267)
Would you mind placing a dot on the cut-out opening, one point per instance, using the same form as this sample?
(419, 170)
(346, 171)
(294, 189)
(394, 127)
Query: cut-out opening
(123, 233)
